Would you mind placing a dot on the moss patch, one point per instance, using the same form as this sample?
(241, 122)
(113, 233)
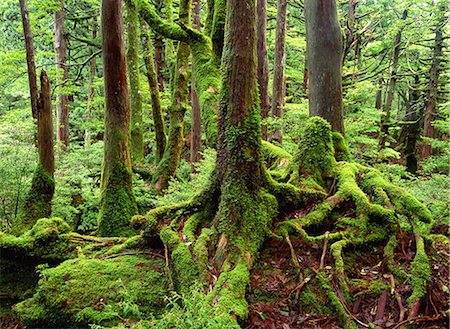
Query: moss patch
(92, 291)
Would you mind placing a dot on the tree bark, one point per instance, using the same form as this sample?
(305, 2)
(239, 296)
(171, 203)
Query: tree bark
(432, 93)
(263, 62)
(196, 131)
(413, 114)
(152, 77)
(379, 96)
(92, 76)
(62, 104)
(386, 117)
(117, 202)
(324, 61)
(169, 163)
(31, 65)
(38, 203)
(278, 90)
(137, 131)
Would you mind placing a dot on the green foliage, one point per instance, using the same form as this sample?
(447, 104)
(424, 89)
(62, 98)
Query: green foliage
(183, 190)
(77, 179)
(93, 291)
(17, 163)
(193, 311)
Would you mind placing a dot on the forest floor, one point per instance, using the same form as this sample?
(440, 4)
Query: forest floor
(276, 299)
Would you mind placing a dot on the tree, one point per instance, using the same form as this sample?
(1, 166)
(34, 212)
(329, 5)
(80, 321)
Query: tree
(152, 78)
(169, 162)
(279, 89)
(324, 55)
(196, 131)
(38, 203)
(62, 104)
(386, 117)
(263, 61)
(117, 204)
(433, 85)
(137, 130)
(31, 65)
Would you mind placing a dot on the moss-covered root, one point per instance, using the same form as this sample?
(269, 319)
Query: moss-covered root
(336, 302)
(228, 295)
(38, 202)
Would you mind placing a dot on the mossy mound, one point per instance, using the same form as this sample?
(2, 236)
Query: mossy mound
(46, 239)
(82, 291)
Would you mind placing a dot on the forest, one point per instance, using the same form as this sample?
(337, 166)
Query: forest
(224, 164)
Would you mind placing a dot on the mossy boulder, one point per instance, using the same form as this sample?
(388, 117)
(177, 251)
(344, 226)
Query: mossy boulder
(107, 292)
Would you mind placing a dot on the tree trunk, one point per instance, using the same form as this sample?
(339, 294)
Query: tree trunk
(196, 131)
(62, 104)
(431, 98)
(324, 61)
(152, 78)
(169, 163)
(38, 203)
(159, 61)
(263, 62)
(413, 115)
(379, 96)
(32, 79)
(159, 52)
(92, 76)
(117, 202)
(278, 90)
(137, 131)
(386, 117)
(350, 36)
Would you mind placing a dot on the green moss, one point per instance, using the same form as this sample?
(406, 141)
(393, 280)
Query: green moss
(342, 152)
(389, 254)
(274, 155)
(420, 272)
(47, 239)
(136, 124)
(232, 295)
(315, 155)
(118, 204)
(314, 300)
(335, 302)
(201, 251)
(92, 291)
(38, 202)
(184, 269)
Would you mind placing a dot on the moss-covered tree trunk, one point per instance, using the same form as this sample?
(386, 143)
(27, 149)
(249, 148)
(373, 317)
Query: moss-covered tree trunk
(204, 57)
(263, 62)
(196, 130)
(432, 93)
(62, 104)
(38, 202)
(279, 90)
(117, 200)
(324, 52)
(169, 163)
(152, 77)
(137, 131)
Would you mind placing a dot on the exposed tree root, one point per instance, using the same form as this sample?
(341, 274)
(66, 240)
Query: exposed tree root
(364, 208)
